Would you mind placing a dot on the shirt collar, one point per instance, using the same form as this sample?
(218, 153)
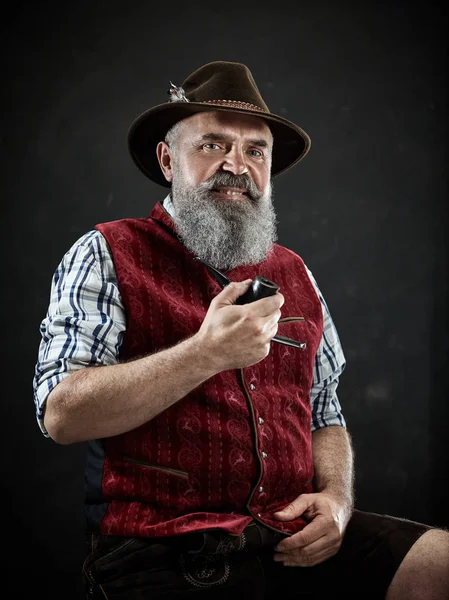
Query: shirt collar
(168, 205)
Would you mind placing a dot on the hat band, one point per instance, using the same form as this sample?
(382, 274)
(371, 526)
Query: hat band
(234, 104)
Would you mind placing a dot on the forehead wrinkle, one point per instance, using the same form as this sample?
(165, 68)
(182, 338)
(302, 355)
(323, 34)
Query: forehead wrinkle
(228, 125)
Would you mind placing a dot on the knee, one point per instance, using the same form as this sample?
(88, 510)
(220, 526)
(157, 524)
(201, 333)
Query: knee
(424, 572)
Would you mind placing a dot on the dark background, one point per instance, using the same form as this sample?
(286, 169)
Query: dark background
(366, 209)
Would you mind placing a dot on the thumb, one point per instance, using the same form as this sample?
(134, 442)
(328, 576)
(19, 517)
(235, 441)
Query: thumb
(294, 509)
(232, 291)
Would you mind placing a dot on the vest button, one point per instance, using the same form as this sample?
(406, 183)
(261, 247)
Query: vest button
(264, 455)
(259, 515)
(252, 387)
(261, 489)
(261, 421)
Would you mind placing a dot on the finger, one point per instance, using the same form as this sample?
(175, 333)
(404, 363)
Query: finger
(271, 331)
(274, 320)
(296, 508)
(272, 323)
(310, 534)
(312, 550)
(303, 560)
(231, 292)
(265, 307)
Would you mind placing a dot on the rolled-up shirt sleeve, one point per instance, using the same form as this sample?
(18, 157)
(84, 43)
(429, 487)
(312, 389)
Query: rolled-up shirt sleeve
(330, 363)
(85, 320)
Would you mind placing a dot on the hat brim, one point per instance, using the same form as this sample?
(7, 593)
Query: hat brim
(290, 145)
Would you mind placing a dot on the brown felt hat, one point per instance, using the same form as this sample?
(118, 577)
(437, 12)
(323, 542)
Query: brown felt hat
(219, 85)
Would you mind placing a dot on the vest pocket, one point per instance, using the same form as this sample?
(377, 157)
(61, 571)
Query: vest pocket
(293, 331)
(148, 465)
(290, 319)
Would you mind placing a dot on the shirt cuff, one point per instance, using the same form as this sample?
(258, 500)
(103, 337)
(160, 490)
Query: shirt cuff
(41, 395)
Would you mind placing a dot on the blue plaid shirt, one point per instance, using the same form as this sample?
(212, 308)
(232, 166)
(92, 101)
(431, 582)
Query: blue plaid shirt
(86, 320)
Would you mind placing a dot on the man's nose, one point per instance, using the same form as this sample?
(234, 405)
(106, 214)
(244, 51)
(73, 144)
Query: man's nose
(235, 162)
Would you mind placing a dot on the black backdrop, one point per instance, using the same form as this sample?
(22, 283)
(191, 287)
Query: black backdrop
(367, 210)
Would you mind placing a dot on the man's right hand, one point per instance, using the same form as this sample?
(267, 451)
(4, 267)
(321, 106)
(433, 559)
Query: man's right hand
(238, 336)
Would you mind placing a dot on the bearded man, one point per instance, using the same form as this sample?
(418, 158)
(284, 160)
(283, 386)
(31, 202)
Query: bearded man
(218, 454)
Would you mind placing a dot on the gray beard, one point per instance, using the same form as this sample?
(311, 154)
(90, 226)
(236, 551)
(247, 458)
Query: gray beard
(224, 233)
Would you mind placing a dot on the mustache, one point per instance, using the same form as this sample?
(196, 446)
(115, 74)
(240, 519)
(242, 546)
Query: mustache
(221, 179)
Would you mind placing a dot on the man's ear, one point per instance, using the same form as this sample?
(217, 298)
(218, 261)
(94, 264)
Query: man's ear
(165, 160)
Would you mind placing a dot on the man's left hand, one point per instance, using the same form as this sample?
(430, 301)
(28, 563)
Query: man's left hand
(321, 538)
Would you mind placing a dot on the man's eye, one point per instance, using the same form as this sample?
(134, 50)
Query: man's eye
(256, 153)
(212, 146)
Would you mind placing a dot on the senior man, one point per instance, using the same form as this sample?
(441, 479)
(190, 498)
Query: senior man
(218, 454)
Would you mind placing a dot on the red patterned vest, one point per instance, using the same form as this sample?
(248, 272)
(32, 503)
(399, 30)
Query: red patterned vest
(238, 447)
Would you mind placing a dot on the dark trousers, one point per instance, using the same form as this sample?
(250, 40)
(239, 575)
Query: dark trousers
(217, 565)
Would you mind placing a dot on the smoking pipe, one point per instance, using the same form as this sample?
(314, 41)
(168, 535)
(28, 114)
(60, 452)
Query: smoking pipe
(260, 288)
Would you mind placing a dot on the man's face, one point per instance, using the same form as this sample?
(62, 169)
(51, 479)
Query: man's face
(231, 142)
(221, 190)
